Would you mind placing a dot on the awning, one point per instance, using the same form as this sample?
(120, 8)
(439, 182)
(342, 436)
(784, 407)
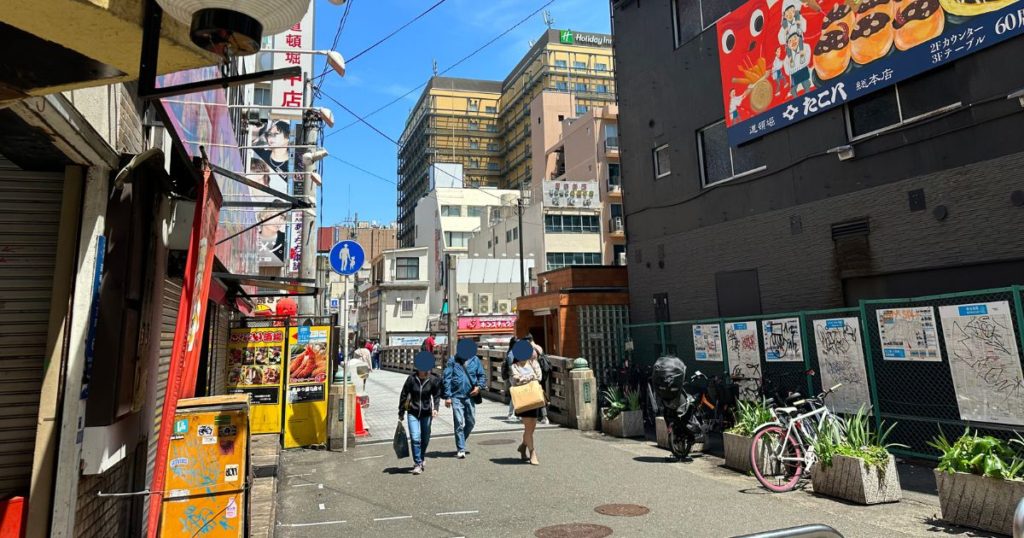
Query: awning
(286, 286)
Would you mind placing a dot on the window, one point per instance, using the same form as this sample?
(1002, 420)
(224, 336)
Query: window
(903, 103)
(579, 65)
(261, 97)
(614, 174)
(474, 106)
(407, 307)
(493, 166)
(616, 210)
(474, 144)
(581, 86)
(562, 86)
(407, 269)
(691, 17)
(618, 254)
(508, 236)
(601, 88)
(474, 125)
(492, 146)
(611, 135)
(662, 167)
(474, 211)
(557, 260)
(581, 110)
(572, 224)
(451, 211)
(457, 239)
(474, 163)
(491, 110)
(515, 233)
(492, 128)
(722, 162)
(561, 64)
(600, 67)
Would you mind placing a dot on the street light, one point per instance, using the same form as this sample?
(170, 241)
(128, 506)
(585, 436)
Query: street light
(334, 58)
(316, 155)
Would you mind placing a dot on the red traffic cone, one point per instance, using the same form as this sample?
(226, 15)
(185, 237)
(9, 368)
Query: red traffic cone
(361, 430)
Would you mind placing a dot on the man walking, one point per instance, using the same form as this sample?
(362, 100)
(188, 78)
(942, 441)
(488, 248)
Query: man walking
(463, 380)
(428, 344)
(375, 354)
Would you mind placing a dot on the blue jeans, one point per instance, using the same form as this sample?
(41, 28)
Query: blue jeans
(465, 418)
(419, 434)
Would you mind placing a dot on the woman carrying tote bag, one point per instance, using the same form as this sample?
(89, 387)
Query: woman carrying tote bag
(526, 375)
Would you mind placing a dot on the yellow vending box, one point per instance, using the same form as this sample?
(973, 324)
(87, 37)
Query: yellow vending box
(208, 469)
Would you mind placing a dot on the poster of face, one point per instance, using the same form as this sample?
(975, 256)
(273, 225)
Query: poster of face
(782, 61)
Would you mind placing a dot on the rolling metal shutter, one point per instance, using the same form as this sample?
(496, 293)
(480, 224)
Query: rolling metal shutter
(219, 335)
(30, 205)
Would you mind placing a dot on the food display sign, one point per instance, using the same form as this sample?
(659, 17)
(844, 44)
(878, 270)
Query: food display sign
(308, 372)
(783, 61)
(255, 363)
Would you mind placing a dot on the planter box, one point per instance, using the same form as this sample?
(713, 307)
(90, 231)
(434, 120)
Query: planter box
(979, 502)
(854, 480)
(737, 452)
(661, 432)
(626, 424)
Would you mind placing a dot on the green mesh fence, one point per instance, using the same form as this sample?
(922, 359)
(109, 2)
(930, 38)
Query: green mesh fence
(890, 356)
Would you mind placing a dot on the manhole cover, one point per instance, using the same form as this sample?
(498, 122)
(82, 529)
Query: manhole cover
(626, 510)
(497, 442)
(574, 530)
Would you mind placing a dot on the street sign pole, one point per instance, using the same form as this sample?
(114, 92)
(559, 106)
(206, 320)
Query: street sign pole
(346, 259)
(343, 304)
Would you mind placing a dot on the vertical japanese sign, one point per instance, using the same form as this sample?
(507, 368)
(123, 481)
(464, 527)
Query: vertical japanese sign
(255, 364)
(306, 393)
(782, 61)
(287, 93)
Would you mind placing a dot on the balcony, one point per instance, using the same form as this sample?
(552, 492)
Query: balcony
(617, 226)
(614, 189)
(611, 146)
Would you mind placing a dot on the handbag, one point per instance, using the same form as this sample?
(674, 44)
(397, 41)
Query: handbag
(401, 441)
(479, 398)
(545, 365)
(527, 397)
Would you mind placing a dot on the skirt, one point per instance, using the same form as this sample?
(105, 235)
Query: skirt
(533, 413)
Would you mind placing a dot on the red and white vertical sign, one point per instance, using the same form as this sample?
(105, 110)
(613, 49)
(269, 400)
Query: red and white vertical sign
(287, 93)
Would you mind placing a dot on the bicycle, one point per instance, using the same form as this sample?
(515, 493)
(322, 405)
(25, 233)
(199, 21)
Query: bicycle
(783, 451)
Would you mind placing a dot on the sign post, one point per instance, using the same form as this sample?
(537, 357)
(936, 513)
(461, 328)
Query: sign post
(346, 259)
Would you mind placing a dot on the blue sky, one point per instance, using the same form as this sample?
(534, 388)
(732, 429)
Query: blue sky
(448, 33)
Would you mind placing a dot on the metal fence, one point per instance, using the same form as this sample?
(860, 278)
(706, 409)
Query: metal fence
(949, 361)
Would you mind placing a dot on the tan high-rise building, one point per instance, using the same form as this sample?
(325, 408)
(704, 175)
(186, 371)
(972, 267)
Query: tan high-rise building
(483, 127)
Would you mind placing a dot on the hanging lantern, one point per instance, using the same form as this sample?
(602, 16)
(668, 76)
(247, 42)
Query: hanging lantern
(235, 26)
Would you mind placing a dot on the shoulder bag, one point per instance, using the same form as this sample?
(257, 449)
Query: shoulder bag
(527, 397)
(479, 398)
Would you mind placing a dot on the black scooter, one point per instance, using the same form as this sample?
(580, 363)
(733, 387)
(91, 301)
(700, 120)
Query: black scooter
(680, 400)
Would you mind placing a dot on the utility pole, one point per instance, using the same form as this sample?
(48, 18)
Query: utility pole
(453, 306)
(520, 207)
(307, 261)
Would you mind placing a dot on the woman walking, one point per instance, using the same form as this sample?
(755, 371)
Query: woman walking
(525, 369)
(421, 397)
(505, 369)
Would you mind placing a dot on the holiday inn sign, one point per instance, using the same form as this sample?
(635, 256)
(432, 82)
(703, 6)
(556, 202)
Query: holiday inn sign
(568, 37)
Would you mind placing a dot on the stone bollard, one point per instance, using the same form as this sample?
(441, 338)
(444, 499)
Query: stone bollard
(335, 417)
(584, 391)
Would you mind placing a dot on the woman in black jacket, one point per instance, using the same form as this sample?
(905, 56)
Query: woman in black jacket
(421, 397)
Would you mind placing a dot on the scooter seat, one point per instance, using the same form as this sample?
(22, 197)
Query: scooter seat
(791, 411)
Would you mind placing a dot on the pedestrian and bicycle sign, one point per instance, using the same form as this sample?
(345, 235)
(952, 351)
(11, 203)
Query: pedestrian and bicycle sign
(347, 258)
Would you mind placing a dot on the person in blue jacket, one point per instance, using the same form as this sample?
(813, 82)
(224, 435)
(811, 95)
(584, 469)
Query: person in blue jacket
(463, 381)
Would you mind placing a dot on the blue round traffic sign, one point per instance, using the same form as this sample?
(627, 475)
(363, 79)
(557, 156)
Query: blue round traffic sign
(347, 258)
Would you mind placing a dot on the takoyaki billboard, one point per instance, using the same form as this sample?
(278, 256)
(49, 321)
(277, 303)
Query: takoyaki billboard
(786, 60)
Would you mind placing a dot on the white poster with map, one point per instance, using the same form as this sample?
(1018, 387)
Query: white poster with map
(782, 340)
(841, 360)
(909, 334)
(984, 362)
(744, 357)
(707, 342)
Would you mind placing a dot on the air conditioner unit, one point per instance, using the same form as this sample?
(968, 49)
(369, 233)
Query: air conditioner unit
(484, 301)
(622, 258)
(464, 301)
(615, 188)
(617, 224)
(504, 307)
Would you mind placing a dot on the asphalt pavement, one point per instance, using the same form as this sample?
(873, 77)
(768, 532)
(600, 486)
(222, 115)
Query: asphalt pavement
(368, 492)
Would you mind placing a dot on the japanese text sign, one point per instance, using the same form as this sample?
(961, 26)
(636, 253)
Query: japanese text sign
(287, 92)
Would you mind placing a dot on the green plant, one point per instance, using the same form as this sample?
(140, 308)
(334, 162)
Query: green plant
(984, 455)
(859, 440)
(750, 415)
(616, 402)
(632, 399)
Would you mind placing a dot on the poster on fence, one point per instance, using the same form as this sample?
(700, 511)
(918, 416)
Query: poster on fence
(707, 342)
(984, 362)
(782, 340)
(841, 360)
(744, 357)
(908, 334)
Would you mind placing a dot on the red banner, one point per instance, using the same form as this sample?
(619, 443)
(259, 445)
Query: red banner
(188, 332)
(487, 323)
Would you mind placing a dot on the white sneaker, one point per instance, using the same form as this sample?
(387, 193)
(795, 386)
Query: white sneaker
(545, 421)
(417, 469)
(461, 455)
(511, 416)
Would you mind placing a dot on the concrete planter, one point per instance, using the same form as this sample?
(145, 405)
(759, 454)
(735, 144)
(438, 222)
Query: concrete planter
(626, 424)
(737, 452)
(661, 432)
(854, 480)
(979, 502)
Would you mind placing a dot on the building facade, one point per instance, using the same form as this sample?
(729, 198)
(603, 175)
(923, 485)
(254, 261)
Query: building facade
(879, 190)
(396, 303)
(484, 126)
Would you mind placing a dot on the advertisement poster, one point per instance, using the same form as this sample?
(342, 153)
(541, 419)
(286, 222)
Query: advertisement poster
(782, 61)
(984, 362)
(707, 342)
(782, 340)
(841, 360)
(744, 357)
(908, 334)
(571, 194)
(306, 391)
(255, 363)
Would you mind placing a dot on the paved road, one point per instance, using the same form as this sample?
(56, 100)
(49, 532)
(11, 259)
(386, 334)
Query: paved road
(382, 415)
(367, 492)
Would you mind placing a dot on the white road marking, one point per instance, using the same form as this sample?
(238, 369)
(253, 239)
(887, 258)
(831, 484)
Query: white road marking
(302, 485)
(368, 457)
(457, 513)
(311, 524)
(322, 506)
(299, 475)
(391, 518)
(319, 486)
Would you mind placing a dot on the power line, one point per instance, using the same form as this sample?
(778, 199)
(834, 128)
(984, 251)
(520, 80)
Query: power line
(359, 119)
(365, 171)
(392, 34)
(334, 43)
(446, 70)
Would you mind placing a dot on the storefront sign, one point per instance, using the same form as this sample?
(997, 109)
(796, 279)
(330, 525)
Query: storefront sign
(785, 60)
(308, 370)
(568, 37)
(487, 323)
(572, 194)
(287, 93)
(255, 362)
